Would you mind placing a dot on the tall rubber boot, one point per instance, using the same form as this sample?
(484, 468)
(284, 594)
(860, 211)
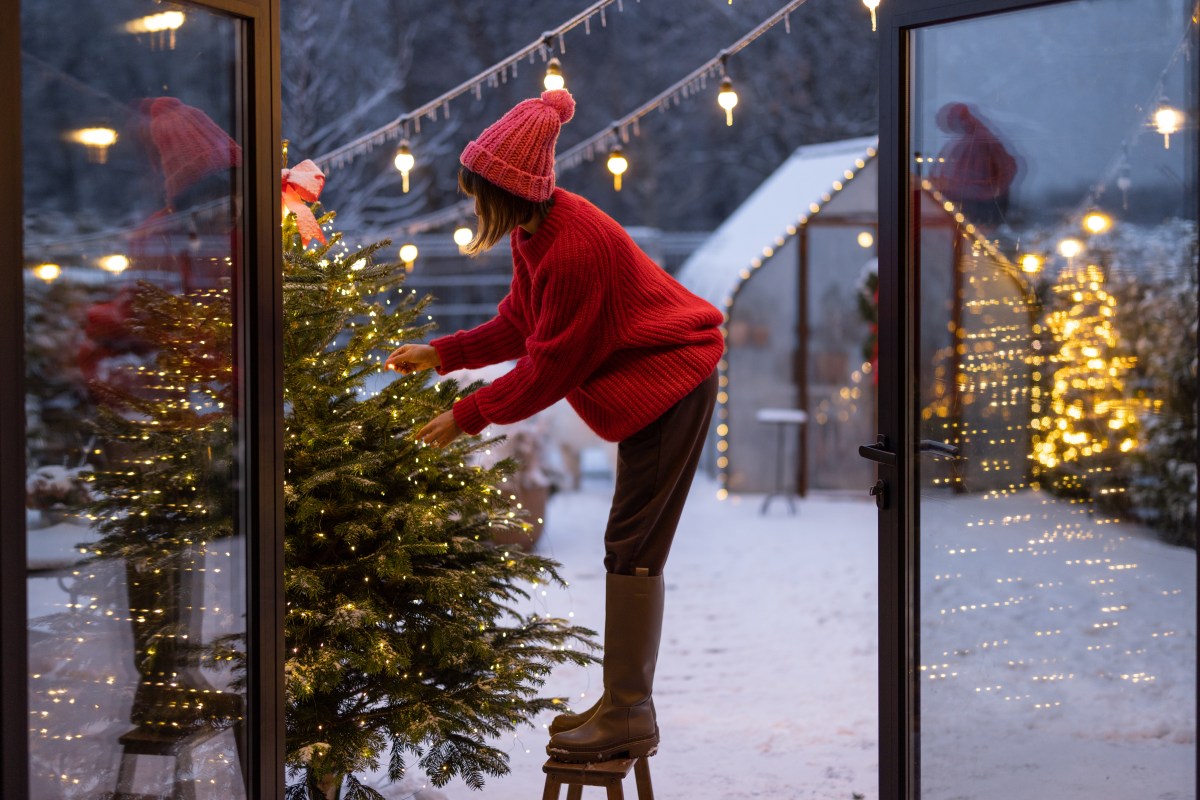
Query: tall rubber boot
(569, 721)
(623, 724)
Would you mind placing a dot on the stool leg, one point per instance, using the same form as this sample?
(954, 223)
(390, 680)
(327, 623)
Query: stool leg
(553, 785)
(574, 791)
(615, 792)
(641, 771)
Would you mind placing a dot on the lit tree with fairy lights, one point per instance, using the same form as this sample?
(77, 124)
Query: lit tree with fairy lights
(402, 633)
(1086, 421)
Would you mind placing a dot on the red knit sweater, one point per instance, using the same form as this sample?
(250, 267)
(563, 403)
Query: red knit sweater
(591, 318)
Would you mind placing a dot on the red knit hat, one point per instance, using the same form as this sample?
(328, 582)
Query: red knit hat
(190, 145)
(517, 152)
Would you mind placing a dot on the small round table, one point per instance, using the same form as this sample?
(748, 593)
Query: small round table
(783, 417)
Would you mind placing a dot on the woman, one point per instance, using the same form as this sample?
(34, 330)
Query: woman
(591, 318)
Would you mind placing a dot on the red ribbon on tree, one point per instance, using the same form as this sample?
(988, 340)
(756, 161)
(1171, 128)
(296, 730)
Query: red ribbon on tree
(302, 184)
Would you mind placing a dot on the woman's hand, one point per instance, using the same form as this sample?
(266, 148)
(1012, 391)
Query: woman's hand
(440, 431)
(409, 358)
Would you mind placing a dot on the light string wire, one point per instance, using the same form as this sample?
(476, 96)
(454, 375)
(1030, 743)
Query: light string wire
(621, 128)
(410, 121)
(1142, 126)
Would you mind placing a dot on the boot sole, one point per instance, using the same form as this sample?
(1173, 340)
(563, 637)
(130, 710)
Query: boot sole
(641, 748)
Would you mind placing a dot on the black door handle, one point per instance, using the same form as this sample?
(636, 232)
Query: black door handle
(938, 448)
(878, 452)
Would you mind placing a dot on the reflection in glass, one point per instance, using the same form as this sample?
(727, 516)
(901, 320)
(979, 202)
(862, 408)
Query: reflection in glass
(1056, 246)
(132, 242)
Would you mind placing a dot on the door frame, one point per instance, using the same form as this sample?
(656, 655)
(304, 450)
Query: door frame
(259, 353)
(898, 546)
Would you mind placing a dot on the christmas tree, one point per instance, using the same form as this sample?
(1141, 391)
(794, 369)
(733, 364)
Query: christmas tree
(1086, 419)
(402, 629)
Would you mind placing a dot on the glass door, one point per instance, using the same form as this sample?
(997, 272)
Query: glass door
(149, 177)
(1050, 263)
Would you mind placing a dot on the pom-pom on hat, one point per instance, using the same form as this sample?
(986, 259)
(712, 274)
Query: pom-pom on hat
(517, 152)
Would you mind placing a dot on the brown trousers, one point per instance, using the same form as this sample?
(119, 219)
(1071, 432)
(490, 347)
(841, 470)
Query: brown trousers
(655, 467)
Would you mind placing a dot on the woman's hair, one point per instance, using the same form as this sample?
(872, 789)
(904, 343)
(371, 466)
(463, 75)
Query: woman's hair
(499, 211)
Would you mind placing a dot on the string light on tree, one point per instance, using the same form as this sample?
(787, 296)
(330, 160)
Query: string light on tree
(727, 98)
(404, 162)
(1167, 120)
(554, 78)
(872, 5)
(617, 165)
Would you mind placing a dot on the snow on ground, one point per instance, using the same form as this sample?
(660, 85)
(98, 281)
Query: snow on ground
(1059, 653)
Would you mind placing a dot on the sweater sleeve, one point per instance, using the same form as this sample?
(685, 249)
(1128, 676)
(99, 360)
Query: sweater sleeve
(566, 345)
(498, 339)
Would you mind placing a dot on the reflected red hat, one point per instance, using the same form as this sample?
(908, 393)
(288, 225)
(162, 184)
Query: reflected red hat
(190, 145)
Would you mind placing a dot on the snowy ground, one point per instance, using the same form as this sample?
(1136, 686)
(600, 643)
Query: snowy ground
(1059, 654)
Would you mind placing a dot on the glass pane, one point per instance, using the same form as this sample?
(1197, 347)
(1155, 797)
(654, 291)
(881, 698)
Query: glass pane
(1053, 199)
(133, 231)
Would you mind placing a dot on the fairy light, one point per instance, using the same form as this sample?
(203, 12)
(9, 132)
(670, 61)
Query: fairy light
(97, 141)
(727, 98)
(47, 272)
(617, 165)
(404, 162)
(554, 78)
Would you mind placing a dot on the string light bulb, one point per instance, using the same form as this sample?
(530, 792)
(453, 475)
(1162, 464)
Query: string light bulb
(1096, 222)
(554, 78)
(727, 98)
(865, 239)
(408, 254)
(872, 5)
(1167, 120)
(1069, 248)
(404, 162)
(463, 236)
(617, 164)
(47, 272)
(1031, 263)
(116, 264)
(97, 141)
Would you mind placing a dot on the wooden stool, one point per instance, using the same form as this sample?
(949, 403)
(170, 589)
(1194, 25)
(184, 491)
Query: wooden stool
(608, 774)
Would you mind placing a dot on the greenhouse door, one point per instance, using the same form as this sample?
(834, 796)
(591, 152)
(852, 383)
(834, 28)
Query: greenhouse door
(1037, 436)
(140, 401)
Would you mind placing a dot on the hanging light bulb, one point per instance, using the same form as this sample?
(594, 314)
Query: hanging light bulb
(1069, 248)
(404, 162)
(47, 272)
(554, 78)
(1031, 263)
(865, 239)
(97, 141)
(1096, 222)
(872, 5)
(463, 236)
(617, 164)
(1167, 121)
(116, 264)
(727, 98)
(408, 254)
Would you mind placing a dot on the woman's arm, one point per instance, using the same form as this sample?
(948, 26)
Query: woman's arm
(498, 339)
